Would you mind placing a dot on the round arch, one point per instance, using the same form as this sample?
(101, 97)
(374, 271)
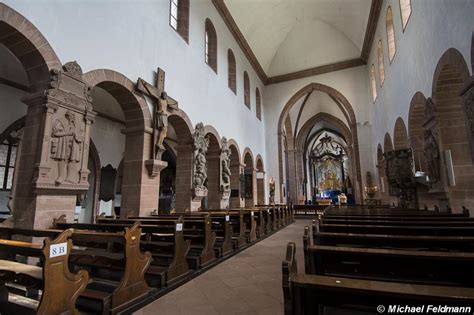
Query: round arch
(29, 46)
(387, 143)
(214, 193)
(400, 135)
(416, 118)
(260, 180)
(250, 177)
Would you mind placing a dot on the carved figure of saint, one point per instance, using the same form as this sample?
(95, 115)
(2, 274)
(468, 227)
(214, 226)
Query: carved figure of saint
(225, 165)
(271, 184)
(66, 146)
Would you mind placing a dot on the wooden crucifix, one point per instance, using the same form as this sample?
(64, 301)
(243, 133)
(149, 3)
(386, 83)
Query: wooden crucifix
(163, 104)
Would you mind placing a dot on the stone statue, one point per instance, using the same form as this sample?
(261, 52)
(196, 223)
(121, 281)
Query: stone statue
(66, 147)
(432, 156)
(201, 144)
(271, 184)
(225, 166)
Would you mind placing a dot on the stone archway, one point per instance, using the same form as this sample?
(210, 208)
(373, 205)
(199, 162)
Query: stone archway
(250, 178)
(400, 135)
(260, 180)
(184, 130)
(29, 46)
(349, 114)
(235, 164)
(137, 198)
(214, 194)
(387, 143)
(450, 76)
(302, 137)
(416, 131)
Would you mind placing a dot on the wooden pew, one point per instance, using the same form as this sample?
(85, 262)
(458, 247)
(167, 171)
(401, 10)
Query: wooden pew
(117, 275)
(404, 221)
(249, 220)
(196, 228)
(399, 265)
(314, 294)
(401, 229)
(60, 288)
(166, 244)
(435, 243)
(222, 227)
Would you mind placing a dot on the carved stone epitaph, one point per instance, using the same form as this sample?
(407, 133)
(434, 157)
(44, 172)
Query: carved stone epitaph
(65, 149)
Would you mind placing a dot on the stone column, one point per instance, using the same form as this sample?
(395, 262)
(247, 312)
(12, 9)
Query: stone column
(52, 168)
(184, 168)
(141, 176)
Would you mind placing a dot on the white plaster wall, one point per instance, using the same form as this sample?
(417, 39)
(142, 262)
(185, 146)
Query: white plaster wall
(434, 27)
(11, 107)
(109, 141)
(349, 82)
(134, 38)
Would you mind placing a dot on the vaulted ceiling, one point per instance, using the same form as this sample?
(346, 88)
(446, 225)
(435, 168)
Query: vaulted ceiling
(287, 36)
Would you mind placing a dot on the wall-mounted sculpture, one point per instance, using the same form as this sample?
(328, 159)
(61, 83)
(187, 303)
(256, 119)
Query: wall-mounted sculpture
(201, 144)
(431, 144)
(225, 166)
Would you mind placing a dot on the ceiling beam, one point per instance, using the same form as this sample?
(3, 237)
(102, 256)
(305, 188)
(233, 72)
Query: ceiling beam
(374, 16)
(316, 71)
(239, 38)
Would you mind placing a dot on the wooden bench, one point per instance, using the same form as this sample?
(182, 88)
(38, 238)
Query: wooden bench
(249, 220)
(314, 294)
(435, 243)
(166, 244)
(400, 265)
(197, 229)
(59, 287)
(435, 230)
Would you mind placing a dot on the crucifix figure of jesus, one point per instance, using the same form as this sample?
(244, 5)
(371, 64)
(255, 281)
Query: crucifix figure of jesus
(163, 105)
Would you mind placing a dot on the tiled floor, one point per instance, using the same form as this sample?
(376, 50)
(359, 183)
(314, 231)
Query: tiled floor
(248, 283)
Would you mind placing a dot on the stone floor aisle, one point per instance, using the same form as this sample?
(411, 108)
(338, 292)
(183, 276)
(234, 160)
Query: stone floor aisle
(247, 283)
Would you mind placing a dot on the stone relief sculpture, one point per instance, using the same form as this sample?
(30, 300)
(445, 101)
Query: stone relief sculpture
(66, 147)
(271, 184)
(225, 166)
(201, 144)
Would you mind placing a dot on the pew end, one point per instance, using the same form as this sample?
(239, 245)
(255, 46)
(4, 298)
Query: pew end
(289, 269)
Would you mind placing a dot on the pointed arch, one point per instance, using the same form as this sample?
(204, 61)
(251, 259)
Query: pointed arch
(387, 143)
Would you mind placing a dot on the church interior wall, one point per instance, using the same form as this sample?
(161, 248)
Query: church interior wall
(348, 83)
(431, 30)
(135, 39)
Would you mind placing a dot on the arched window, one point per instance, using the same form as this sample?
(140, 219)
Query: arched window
(246, 89)
(405, 12)
(7, 163)
(381, 64)
(211, 45)
(372, 82)
(258, 104)
(390, 35)
(179, 17)
(232, 72)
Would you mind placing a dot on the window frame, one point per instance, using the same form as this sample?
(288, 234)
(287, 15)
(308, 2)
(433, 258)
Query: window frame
(182, 18)
(404, 25)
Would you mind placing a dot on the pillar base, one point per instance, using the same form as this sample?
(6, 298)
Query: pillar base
(225, 200)
(198, 194)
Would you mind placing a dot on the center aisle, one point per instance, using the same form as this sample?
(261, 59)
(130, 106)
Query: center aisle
(247, 283)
